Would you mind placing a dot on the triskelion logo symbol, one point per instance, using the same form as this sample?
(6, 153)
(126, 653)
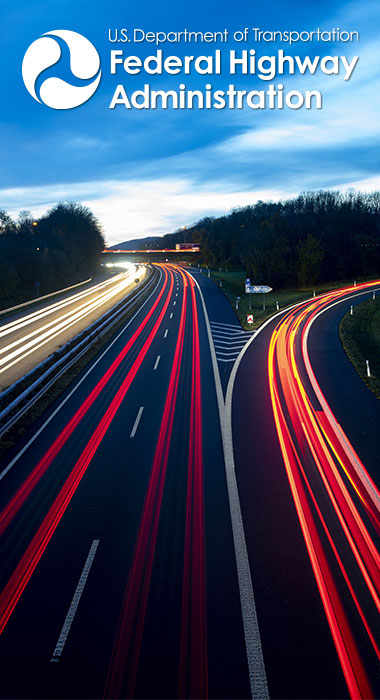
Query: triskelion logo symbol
(84, 65)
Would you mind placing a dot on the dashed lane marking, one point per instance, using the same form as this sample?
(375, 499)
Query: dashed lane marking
(137, 421)
(74, 603)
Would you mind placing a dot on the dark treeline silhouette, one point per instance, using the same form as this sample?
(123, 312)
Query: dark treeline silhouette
(317, 237)
(61, 248)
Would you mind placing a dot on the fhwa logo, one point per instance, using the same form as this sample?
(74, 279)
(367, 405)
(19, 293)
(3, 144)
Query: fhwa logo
(84, 65)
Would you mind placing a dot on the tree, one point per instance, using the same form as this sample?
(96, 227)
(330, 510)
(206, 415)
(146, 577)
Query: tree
(310, 257)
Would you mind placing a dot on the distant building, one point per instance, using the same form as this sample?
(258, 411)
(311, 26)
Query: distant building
(188, 246)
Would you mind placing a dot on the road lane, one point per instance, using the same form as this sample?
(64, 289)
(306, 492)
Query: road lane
(334, 509)
(108, 505)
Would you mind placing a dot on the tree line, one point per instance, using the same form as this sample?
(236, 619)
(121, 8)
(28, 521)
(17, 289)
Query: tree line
(60, 248)
(315, 238)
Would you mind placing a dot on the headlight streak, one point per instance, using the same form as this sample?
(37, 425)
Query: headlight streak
(53, 329)
(312, 445)
(21, 575)
(19, 323)
(8, 513)
(44, 334)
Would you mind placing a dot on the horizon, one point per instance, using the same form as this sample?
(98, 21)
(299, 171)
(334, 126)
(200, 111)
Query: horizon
(150, 172)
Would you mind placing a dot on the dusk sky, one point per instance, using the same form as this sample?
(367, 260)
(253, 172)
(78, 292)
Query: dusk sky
(149, 172)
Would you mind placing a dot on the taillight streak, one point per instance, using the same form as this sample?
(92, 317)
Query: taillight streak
(345, 645)
(128, 640)
(329, 450)
(193, 647)
(28, 562)
(39, 470)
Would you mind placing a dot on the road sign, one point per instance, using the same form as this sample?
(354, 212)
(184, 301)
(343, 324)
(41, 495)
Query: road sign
(249, 319)
(257, 289)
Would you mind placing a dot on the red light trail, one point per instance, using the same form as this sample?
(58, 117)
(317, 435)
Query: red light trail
(135, 602)
(192, 653)
(193, 650)
(31, 482)
(29, 560)
(128, 641)
(325, 475)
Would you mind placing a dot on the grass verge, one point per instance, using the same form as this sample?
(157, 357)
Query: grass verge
(360, 336)
(233, 286)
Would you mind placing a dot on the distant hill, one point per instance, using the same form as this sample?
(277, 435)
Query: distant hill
(149, 242)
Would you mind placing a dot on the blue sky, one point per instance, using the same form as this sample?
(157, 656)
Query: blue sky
(149, 172)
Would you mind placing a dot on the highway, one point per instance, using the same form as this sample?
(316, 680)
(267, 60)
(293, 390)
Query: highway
(310, 504)
(118, 564)
(28, 338)
(182, 524)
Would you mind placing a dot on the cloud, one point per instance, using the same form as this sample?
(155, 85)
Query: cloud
(140, 208)
(149, 173)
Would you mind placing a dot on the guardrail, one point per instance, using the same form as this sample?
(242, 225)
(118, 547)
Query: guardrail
(46, 296)
(69, 354)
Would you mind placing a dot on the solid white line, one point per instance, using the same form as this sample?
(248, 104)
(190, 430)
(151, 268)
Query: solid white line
(229, 339)
(231, 326)
(166, 332)
(251, 641)
(228, 333)
(328, 413)
(256, 667)
(227, 354)
(171, 315)
(74, 603)
(230, 343)
(229, 346)
(137, 421)
(77, 385)
(157, 361)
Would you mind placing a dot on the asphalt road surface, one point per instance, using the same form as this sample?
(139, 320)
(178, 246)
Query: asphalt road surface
(118, 565)
(306, 443)
(137, 563)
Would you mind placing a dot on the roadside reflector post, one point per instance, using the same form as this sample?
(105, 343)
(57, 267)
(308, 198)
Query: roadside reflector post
(373, 295)
(263, 301)
(277, 306)
(351, 310)
(368, 369)
(208, 272)
(237, 303)
(354, 283)
(220, 283)
(313, 292)
(250, 301)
